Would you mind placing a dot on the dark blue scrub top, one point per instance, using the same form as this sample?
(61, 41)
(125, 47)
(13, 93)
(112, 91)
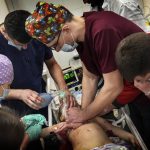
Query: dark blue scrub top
(28, 67)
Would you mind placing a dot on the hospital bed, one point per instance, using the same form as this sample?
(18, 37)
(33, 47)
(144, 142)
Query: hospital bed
(73, 80)
(126, 117)
(124, 120)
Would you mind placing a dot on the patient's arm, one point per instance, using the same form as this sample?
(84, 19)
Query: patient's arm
(25, 142)
(116, 130)
(45, 132)
(54, 128)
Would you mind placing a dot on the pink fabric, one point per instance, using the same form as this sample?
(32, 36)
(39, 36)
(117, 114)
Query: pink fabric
(6, 70)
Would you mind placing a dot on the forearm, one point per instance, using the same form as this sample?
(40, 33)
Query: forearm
(57, 75)
(121, 133)
(113, 85)
(25, 142)
(104, 98)
(89, 89)
(14, 94)
(109, 127)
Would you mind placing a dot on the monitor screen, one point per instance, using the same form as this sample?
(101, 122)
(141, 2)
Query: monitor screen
(70, 77)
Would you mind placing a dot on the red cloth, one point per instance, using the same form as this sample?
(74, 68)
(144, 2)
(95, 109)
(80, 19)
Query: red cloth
(128, 94)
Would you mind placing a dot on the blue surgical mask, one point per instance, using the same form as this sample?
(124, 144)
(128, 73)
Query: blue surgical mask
(69, 47)
(14, 45)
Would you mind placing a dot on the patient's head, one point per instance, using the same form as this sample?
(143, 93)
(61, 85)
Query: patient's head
(11, 130)
(52, 141)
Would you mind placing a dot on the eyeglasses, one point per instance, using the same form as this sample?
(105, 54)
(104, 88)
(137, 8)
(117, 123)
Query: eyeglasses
(55, 45)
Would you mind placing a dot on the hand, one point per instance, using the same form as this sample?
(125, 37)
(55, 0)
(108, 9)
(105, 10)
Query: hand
(60, 127)
(70, 99)
(75, 115)
(31, 98)
(131, 138)
(63, 126)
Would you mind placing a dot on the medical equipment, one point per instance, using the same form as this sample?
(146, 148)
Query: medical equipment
(73, 78)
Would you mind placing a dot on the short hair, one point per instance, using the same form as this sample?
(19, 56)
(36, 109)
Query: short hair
(51, 141)
(133, 55)
(14, 24)
(11, 130)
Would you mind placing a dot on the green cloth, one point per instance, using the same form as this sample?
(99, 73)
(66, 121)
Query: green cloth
(33, 125)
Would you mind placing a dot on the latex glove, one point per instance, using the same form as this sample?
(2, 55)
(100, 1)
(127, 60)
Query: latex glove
(33, 125)
(31, 98)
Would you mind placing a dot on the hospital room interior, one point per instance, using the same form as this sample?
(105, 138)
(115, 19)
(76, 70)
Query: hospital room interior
(74, 75)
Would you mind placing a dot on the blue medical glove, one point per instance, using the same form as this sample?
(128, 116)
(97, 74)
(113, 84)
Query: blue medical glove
(47, 98)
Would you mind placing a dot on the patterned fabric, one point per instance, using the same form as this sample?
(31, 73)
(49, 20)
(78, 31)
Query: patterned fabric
(46, 21)
(6, 70)
(110, 146)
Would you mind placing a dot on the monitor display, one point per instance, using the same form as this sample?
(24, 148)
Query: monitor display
(70, 77)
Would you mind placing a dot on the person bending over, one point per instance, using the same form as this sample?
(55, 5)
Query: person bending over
(133, 61)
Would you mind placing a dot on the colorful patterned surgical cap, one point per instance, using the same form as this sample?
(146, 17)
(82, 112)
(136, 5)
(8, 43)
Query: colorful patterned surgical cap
(46, 21)
(6, 70)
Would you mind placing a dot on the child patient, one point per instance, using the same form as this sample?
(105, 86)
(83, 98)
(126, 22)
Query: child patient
(88, 136)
